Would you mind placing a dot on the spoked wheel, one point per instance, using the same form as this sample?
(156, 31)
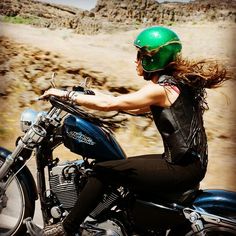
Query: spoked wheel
(15, 206)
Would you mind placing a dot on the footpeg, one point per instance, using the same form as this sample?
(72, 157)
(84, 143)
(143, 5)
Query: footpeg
(32, 228)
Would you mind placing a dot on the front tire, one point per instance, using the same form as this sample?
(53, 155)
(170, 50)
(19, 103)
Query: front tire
(19, 205)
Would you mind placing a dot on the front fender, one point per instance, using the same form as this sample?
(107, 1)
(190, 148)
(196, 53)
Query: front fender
(24, 175)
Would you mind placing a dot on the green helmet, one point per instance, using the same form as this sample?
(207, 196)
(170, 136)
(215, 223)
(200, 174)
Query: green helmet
(158, 47)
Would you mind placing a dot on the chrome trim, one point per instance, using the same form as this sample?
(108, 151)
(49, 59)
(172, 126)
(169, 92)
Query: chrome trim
(210, 218)
(156, 205)
(27, 119)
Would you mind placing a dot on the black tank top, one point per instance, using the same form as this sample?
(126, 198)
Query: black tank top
(181, 126)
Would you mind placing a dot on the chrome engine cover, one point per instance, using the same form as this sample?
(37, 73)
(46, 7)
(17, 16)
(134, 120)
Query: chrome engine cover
(63, 183)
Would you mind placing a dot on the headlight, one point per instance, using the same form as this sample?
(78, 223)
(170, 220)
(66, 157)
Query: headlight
(28, 117)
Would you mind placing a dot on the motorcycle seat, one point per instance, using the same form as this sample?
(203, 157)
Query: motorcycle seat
(181, 197)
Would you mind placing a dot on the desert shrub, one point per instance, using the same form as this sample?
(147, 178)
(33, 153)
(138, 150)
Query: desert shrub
(19, 20)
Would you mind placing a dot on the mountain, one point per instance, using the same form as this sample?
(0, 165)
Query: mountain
(113, 15)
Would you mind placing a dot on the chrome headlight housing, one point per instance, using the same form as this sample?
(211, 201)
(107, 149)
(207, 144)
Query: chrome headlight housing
(28, 118)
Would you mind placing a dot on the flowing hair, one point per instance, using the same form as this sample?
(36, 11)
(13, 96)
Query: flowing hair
(197, 74)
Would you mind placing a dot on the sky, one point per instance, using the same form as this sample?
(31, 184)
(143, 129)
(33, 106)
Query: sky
(89, 4)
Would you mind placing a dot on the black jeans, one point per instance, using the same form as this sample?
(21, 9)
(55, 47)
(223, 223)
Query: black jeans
(149, 173)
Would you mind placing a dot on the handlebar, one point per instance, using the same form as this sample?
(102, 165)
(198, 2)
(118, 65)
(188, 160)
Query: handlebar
(108, 122)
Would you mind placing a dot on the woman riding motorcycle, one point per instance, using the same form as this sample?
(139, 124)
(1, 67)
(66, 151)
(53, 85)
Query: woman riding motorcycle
(175, 95)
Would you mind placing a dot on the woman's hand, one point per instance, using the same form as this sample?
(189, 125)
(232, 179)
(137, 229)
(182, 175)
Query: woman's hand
(54, 92)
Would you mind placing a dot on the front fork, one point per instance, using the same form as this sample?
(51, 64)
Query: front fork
(34, 135)
(42, 160)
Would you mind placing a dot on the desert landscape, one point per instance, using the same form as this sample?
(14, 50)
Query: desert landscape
(38, 39)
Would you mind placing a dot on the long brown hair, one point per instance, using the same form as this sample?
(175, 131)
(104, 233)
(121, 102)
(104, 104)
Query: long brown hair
(198, 75)
(205, 73)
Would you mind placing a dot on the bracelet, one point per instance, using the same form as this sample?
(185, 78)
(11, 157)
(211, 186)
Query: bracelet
(65, 96)
(71, 96)
(68, 95)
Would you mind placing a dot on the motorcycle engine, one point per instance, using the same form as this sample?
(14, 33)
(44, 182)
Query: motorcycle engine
(63, 181)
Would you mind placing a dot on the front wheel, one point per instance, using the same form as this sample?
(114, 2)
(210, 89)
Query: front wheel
(15, 206)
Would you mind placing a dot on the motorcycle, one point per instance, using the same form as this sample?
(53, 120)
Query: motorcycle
(121, 212)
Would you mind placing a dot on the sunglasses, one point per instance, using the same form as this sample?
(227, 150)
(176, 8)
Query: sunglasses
(141, 54)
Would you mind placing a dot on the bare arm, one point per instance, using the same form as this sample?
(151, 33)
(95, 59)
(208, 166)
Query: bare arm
(143, 98)
(133, 112)
(152, 94)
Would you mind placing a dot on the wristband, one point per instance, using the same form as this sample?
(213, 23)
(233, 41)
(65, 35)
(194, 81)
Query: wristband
(71, 96)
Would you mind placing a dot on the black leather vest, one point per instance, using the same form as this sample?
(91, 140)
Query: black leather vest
(181, 128)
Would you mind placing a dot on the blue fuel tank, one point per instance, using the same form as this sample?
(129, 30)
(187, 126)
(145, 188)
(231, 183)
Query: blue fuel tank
(89, 140)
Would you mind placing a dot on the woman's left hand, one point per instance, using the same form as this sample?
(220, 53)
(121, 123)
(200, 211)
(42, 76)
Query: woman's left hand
(53, 92)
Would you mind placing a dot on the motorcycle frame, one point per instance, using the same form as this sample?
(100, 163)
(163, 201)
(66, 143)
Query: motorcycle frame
(196, 218)
(44, 157)
(41, 162)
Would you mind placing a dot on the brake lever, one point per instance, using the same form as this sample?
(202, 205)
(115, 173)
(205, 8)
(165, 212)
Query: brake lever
(83, 87)
(86, 83)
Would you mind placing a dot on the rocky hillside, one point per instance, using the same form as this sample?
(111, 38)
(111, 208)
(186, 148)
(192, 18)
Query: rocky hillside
(26, 71)
(107, 13)
(150, 11)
